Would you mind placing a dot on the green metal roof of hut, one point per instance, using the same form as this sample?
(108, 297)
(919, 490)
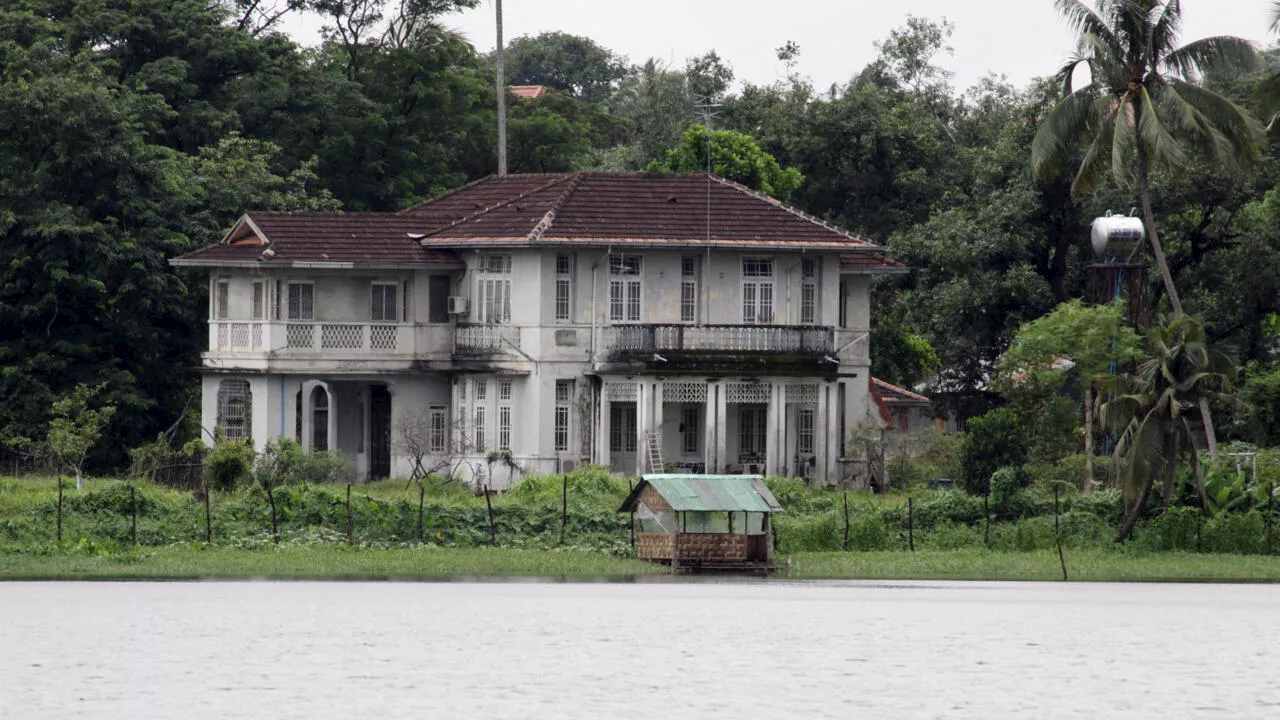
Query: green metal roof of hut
(708, 493)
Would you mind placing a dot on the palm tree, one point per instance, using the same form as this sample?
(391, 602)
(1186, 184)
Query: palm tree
(1179, 370)
(1269, 89)
(1142, 110)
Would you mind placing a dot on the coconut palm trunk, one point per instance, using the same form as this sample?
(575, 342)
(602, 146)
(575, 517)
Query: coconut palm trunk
(500, 57)
(1088, 437)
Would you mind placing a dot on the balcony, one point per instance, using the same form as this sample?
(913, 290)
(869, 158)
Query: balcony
(623, 340)
(485, 339)
(312, 338)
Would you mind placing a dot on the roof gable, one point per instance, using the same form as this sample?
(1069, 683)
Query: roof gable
(708, 493)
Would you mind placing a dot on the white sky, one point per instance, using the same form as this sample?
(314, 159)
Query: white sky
(1020, 39)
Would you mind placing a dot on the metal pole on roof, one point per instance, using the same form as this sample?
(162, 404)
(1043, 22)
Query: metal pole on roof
(502, 93)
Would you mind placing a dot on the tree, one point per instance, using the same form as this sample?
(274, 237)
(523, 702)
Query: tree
(1091, 341)
(1141, 110)
(76, 427)
(659, 105)
(734, 156)
(572, 63)
(1178, 369)
(708, 77)
(991, 442)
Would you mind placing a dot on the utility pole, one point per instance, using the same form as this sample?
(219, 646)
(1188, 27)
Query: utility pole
(502, 95)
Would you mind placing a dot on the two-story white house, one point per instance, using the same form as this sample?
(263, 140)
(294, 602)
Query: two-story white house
(629, 320)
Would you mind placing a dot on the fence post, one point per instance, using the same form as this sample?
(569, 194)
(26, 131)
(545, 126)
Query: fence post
(488, 502)
(133, 501)
(1057, 534)
(351, 529)
(846, 521)
(911, 525)
(59, 508)
(275, 527)
(208, 516)
(564, 506)
(986, 517)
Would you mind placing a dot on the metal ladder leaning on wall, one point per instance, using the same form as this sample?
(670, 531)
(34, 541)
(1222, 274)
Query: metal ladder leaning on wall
(655, 452)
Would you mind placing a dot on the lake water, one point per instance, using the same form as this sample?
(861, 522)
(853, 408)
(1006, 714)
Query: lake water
(116, 651)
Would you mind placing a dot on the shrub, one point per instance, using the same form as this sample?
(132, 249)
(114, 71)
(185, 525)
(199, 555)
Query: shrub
(991, 442)
(229, 464)
(867, 531)
(953, 536)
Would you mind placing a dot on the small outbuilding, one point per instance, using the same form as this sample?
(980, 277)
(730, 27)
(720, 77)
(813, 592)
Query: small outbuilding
(707, 521)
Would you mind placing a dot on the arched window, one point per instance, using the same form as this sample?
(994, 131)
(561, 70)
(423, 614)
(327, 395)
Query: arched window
(235, 409)
(319, 419)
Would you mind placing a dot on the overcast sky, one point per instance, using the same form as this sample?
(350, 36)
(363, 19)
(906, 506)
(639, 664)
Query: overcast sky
(1016, 38)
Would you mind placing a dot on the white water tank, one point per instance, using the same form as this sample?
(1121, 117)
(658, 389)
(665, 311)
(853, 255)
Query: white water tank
(1116, 235)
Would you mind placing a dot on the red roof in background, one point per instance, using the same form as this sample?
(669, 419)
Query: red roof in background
(872, 264)
(621, 208)
(528, 92)
(896, 395)
(372, 238)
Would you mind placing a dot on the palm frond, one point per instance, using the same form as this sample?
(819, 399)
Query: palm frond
(1224, 51)
(1162, 148)
(1123, 139)
(1061, 130)
(1093, 168)
(1268, 92)
(1083, 20)
(1242, 131)
(1187, 122)
(1166, 25)
(1275, 15)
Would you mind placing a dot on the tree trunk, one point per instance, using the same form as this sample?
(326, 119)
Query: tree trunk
(79, 480)
(1088, 437)
(1149, 218)
(500, 56)
(1169, 471)
(1200, 490)
(1135, 512)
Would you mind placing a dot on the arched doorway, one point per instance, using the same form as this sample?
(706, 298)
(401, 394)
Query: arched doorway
(319, 419)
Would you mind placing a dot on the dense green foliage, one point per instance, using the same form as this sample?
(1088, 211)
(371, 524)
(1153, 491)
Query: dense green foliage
(132, 131)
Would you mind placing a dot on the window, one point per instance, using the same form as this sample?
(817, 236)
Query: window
(383, 303)
(808, 291)
(504, 389)
(235, 409)
(622, 427)
(482, 389)
(757, 290)
(319, 419)
(493, 289)
(479, 429)
(564, 286)
(438, 287)
(504, 427)
(437, 428)
(259, 300)
(688, 290)
(625, 288)
(804, 431)
(564, 399)
(277, 315)
(222, 300)
(301, 301)
(752, 431)
(689, 429)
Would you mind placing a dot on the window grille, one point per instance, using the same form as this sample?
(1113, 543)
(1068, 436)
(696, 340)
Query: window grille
(752, 431)
(479, 429)
(504, 389)
(619, 391)
(222, 300)
(564, 286)
(684, 392)
(804, 430)
(383, 303)
(564, 397)
(757, 292)
(319, 419)
(688, 290)
(808, 291)
(301, 301)
(622, 428)
(564, 391)
(747, 392)
(437, 436)
(689, 429)
(259, 300)
(626, 288)
(493, 289)
(482, 389)
(235, 409)
(806, 394)
(504, 427)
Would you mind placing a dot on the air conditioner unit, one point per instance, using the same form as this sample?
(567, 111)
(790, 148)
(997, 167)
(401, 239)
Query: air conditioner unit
(459, 305)
(567, 466)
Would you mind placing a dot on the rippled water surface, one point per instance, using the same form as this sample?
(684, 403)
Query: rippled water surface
(117, 651)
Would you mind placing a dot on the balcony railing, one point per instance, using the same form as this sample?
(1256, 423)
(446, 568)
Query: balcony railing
(483, 339)
(311, 337)
(804, 339)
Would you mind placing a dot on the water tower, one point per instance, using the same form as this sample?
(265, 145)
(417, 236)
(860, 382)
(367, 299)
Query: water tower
(1119, 271)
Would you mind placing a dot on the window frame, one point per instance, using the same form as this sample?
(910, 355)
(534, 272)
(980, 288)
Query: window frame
(626, 289)
(758, 290)
(222, 299)
(689, 429)
(809, 277)
(437, 429)
(289, 304)
(493, 289)
(689, 290)
(258, 301)
(562, 416)
(806, 430)
(396, 308)
(563, 299)
(622, 427)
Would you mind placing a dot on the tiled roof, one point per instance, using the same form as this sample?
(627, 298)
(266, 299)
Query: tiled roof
(365, 238)
(896, 395)
(623, 208)
(871, 264)
(527, 92)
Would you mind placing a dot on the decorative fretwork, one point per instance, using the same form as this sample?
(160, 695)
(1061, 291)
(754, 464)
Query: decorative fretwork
(802, 394)
(684, 392)
(223, 341)
(240, 336)
(720, 338)
(257, 336)
(743, 393)
(341, 337)
(620, 391)
(300, 336)
(382, 337)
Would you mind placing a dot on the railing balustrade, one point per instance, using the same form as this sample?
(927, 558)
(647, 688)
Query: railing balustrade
(486, 338)
(719, 338)
(309, 337)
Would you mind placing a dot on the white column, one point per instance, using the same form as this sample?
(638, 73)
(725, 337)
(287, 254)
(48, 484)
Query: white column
(605, 433)
(260, 412)
(209, 407)
(709, 428)
(655, 396)
(773, 430)
(822, 433)
(722, 413)
(333, 418)
(642, 422)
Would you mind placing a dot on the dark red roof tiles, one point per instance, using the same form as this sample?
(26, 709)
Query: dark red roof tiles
(896, 395)
(871, 263)
(328, 237)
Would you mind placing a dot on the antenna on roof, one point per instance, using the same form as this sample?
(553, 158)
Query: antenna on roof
(708, 114)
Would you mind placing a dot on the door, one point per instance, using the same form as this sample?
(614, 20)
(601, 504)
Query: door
(379, 432)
